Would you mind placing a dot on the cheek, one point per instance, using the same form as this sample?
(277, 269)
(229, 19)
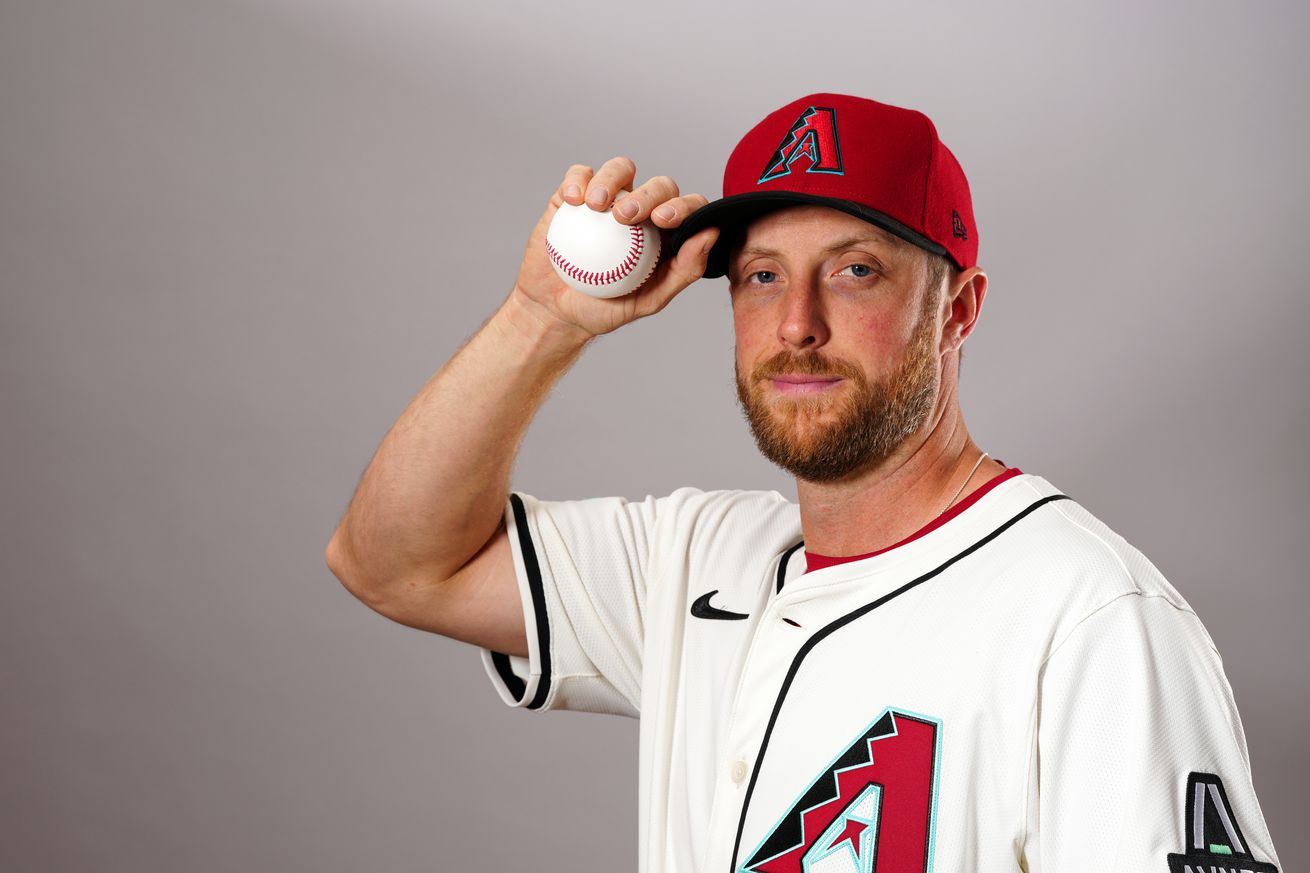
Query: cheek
(884, 332)
(882, 336)
(877, 327)
(752, 331)
(886, 318)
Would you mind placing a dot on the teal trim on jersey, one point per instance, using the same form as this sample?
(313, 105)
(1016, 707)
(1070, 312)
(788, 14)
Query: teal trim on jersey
(936, 780)
(1216, 849)
(828, 771)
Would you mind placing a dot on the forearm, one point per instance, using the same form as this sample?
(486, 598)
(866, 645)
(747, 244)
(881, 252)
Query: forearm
(434, 492)
(433, 495)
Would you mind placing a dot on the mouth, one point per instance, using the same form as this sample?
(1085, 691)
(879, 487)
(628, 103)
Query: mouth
(798, 384)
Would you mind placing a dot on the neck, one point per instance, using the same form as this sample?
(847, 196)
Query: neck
(886, 502)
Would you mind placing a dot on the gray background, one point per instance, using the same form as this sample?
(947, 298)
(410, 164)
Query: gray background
(236, 237)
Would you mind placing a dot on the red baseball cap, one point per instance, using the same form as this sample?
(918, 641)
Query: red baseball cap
(881, 163)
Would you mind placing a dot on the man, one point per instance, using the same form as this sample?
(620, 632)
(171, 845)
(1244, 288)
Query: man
(934, 662)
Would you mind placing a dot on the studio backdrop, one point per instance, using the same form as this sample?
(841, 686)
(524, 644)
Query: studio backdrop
(237, 236)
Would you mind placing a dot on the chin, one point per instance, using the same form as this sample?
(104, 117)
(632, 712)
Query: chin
(806, 414)
(802, 428)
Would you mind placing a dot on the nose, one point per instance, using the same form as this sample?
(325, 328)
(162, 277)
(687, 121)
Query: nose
(803, 325)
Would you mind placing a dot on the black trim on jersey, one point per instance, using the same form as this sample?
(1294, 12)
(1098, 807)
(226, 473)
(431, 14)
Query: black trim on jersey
(835, 625)
(499, 660)
(782, 565)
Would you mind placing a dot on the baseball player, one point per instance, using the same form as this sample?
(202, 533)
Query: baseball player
(933, 662)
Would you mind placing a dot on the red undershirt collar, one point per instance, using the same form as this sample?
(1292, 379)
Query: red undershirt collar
(815, 561)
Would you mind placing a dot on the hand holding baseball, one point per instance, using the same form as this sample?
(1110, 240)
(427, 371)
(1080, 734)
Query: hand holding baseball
(593, 252)
(656, 202)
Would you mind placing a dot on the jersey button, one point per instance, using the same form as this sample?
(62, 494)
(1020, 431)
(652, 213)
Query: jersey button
(738, 771)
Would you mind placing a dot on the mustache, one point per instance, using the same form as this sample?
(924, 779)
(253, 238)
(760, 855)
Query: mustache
(808, 364)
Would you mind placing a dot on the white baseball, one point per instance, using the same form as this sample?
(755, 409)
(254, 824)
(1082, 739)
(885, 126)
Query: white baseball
(597, 255)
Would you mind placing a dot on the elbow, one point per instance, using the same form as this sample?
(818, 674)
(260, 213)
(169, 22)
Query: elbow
(341, 565)
(336, 554)
(388, 601)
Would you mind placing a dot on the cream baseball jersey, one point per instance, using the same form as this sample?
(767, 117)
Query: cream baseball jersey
(1013, 688)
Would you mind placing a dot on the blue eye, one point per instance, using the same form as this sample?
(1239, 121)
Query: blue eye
(859, 271)
(764, 277)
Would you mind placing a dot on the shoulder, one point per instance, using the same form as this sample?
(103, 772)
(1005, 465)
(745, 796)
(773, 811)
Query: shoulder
(722, 533)
(728, 514)
(1064, 553)
(726, 503)
(683, 517)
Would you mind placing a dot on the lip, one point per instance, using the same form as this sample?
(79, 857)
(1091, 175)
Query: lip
(796, 384)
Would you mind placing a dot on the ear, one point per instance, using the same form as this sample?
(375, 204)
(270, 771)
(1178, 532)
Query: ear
(963, 302)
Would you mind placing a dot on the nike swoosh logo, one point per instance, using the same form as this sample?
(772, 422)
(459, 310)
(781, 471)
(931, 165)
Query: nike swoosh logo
(702, 609)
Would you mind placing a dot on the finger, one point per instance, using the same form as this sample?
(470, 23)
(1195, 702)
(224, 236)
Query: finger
(614, 175)
(683, 270)
(690, 261)
(637, 205)
(574, 186)
(674, 212)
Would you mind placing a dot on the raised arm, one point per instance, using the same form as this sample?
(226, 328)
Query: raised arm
(423, 539)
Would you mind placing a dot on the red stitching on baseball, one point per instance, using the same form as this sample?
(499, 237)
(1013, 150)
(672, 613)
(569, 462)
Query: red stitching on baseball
(636, 245)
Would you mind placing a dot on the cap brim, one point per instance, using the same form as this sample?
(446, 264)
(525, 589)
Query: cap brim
(730, 214)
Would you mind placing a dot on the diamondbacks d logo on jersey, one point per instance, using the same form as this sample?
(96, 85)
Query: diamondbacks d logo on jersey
(871, 811)
(814, 137)
(1214, 841)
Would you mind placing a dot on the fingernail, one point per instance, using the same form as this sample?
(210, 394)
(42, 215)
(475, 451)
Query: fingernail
(573, 192)
(598, 197)
(627, 207)
(664, 213)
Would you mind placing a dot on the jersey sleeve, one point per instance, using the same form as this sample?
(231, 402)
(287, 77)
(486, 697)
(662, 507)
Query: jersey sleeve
(582, 569)
(1141, 758)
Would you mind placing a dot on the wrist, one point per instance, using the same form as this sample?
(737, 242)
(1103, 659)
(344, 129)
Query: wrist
(527, 321)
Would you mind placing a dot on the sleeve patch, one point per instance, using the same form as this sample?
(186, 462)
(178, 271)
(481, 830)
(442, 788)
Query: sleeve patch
(1214, 841)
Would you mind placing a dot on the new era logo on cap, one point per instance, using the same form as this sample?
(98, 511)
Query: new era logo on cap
(878, 162)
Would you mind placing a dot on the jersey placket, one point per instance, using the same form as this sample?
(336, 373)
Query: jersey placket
(785, 625)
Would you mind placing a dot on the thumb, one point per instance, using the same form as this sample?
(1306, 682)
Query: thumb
(691, 261)
(687, 266)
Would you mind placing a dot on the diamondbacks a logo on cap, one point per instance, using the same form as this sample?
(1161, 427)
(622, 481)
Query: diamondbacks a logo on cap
(872, 810)
(1214, 841)
(813, 136)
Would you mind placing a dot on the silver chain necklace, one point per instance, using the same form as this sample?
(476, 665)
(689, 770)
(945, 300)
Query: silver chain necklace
(965, 482)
